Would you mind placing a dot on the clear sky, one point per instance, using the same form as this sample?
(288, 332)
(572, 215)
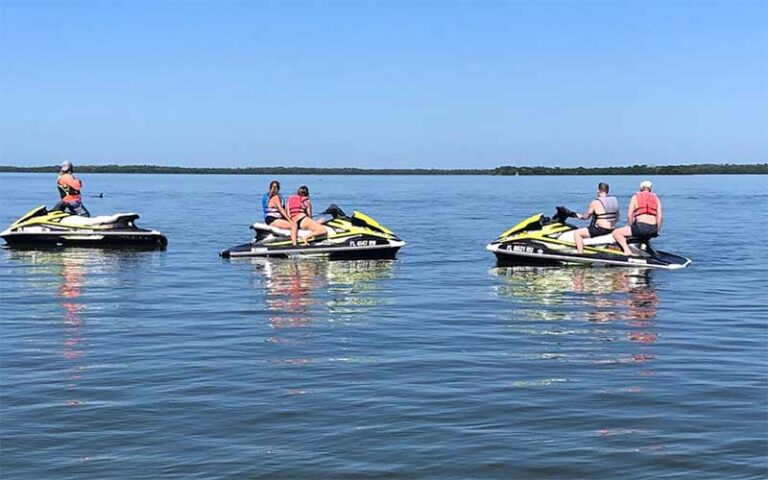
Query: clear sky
(383, 84)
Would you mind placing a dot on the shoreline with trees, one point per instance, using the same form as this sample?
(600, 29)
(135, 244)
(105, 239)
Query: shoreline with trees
(693, 169)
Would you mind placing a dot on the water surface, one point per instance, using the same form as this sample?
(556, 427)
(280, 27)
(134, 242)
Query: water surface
(179, 364)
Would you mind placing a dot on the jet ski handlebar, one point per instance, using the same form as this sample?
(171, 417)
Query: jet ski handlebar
(562, 213)
(335, 211)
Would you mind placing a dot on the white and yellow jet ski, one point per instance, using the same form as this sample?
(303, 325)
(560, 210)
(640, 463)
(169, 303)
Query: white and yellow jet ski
(41, 228)
(541, 240)
(347, 238)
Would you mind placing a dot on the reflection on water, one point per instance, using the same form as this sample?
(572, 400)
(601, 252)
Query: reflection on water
(602, 294)
(611, 304)
(70, 293)
(68, 275)
(301, 291)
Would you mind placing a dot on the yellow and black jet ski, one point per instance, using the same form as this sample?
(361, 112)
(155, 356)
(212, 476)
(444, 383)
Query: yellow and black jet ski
(41, 228)
(347, 238)
(541, 240)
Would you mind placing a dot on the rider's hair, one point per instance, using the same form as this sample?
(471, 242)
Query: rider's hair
(274, 187)
(602, 187)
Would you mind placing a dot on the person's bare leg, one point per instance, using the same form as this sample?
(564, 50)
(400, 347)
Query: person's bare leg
(318, 229)
(620, 235)
(316, 232)
(294, 233)
(578, 237)
(305, 222)
(282, 223)
(315, 228)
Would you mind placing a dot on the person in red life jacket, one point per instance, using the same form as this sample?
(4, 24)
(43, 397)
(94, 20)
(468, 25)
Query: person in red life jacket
(274, 210)
(300, 210)
(70, 191)
(644, 217)
(604, 212)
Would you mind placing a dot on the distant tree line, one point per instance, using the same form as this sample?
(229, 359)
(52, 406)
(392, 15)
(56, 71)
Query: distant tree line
(696, 169)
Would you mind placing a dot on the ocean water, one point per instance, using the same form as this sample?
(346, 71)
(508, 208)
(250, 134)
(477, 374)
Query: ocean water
(179, 364)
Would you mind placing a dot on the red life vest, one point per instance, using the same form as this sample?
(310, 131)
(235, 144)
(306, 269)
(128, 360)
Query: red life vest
(69, 187)
(296, 205)
(647, 204)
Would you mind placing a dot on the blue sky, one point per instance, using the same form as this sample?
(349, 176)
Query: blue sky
(383, 84)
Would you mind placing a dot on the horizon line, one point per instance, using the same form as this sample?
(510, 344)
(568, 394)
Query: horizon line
(506, 170)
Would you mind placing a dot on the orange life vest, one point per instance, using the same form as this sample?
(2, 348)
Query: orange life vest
(69, 187)
(296, 205)
(647, 204)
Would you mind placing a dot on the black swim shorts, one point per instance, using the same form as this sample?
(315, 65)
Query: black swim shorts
(595, 231)
(644, 230)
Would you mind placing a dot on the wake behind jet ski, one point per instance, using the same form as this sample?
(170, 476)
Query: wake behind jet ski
(346, 238)
(41, 228)
(541, 240)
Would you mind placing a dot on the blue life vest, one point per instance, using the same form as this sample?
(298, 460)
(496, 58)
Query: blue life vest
(270, 211)
(265, 203)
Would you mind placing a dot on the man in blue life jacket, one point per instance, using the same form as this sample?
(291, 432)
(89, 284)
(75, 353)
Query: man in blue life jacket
(604, 212)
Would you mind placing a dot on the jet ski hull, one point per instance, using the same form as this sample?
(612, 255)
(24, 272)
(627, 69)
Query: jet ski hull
(108, 239)
(536, 254)
(382, 251)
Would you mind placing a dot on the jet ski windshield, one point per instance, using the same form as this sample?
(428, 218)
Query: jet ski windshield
(37, 212)
(335, 211)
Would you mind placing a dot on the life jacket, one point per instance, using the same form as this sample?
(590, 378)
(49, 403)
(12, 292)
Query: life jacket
(296, 205)
(270, 211)
(69, 187)
(647, 204)
(611, 207)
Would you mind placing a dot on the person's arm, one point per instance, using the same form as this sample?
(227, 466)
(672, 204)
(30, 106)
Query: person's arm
(281, 209)
(589, 212)
(309, 208)
(659, 219)
(631, 210)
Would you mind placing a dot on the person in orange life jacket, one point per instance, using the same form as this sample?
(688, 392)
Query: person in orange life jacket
(70, 191)
(274, 211)
(644, 217)
(604, 212)
(300, 210)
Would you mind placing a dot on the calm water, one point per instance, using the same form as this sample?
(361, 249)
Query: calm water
(179, 364)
